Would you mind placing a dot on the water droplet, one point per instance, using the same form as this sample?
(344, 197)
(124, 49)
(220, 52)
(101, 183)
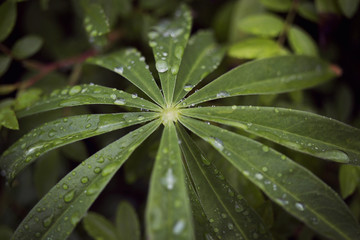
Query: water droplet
(140, 118)
(264, 169)
(174, 69)
(230, 226)
(299, 206)
(113, 96)
(120, 101)
(218, 144)
(205, 161)
(233, 107)
(259, 176)
(222, 94)
(88, 125)
(74, 90)
(97, 170)
(161, 66)
(188, 87)
(119, 70)
(179, 50)
(265, 148)
(109, 169)
(152, 35)
(47, 221)
(51, 133)
(169, 180)
(238, 207)
(152, 44)
(75, 218)
(65, 186)
(179, 227)
(134, 95)
(84, 180)
(68, 197)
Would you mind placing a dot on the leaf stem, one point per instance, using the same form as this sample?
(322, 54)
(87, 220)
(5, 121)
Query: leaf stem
(288, 22)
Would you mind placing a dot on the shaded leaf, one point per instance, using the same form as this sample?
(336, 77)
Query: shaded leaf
(202, 55)
(58, 212)
(5, 232)
(96, 22)
(349, 7)
(7, 18)
(27, 46)
(233, 214)
(130, 64)
(168, 40)
(168, 212)
(349, 178)
(253, 48)
(302, 131)
(98, 227)
(277, 5)
(61, 132)
(265, 76)
(83, 95)
(308, 11)
(263, 25)
(301, 42)
(4, 65)
(290, 185)
(127, 222)
(7, 115)
(27, 98)
(327, 6)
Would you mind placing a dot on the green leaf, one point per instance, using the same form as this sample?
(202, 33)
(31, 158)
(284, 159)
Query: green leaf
(232, 215)
(58, 212)
(27, 98)
(130, 64)
(127, 222)
(308, 11)
(349, 178)
(302, 131)
(263, 25)
(202, 55)
(5, 232)
(96, 22)
(253, 48)
(349, 7)
(266, 76)
(168, 212)
(26, 46)
(61, 132)
(7, 18)
(290, 185)
(83, 95)
(327, 6)
(98, 227)
(4, 64)
(277, 5)
(301, 42)
(7, 115)
(168, 40)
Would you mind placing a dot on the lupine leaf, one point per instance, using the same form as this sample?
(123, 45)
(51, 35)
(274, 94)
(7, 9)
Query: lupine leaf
(290, 185)
(168, 212)
(83, 95)
(349, 7)
(265, 76)
(7, 18)
(4, 65)
(202, 55)
(7, 115)
(26, 46)
(61, 132)
(98, 227)
(130, 64)
(58, 212)
(308, 11)
(232, 216)
(277, 5)
(96, 22)
(349, 179)
(302, 131)
(263, 25)
(127, 222)
(301, 42)
(168, 40)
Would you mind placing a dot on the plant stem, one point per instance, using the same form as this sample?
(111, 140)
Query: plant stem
(288, 22)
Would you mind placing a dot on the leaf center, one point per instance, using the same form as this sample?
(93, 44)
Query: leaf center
(169, 114)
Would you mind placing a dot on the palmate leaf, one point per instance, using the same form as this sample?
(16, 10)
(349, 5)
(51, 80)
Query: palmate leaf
(98, 227)
(127, 222)
(58, 212)
(168, 211)
(266, 76)
(168, 40)
(130, 64)
(302, 131)
(228, 212)
(61, 132)
(290, 185)
(86, 94)
(202, 55)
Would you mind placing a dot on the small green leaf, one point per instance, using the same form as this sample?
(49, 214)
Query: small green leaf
(302, 131)
(4, 64)
(168, 40)
(265, 76)
(27, 98)
(127, 222)
(60, 132)
(168, 212)
(7, 18)
(254, 48)
(277, 5)
(233, 213)
(83, 95)
(308, 11)
(201, 57)
(26, 46)
(263, 25)
(327, 6)
(349, 179)
(349, 7)
(130, 64)
(96, 22)
(290, 185)
(7, 115)
(59, 211)
(98, 227)
(301, 42)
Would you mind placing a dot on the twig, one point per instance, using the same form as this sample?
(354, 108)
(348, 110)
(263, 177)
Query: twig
(288, 22)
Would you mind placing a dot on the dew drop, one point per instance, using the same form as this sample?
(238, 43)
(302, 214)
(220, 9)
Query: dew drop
(259, 176)
(140, 118)
(120, 101)
(265, 148)
(68, 197)
(218, 144)
(134, 95)
(97, 170)
(113, 96)
(52, 133)
(222, 94)
(109, 169)
(169, 180)
(119, 70)
(179, 50)
(179, 227)
(74, 90)
(188, 87)
(299, 206)
(47, 221)
(174, 69)
(84, 180)
(65, 186)
(161, 66)
(230, 226)
(74, 219)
